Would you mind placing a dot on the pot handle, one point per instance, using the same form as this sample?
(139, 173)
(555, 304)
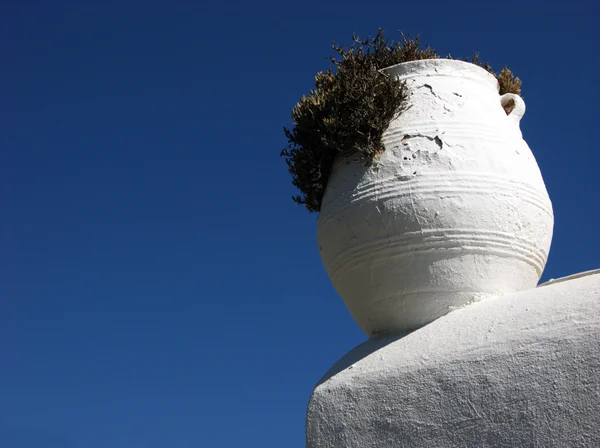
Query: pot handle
(519, 110)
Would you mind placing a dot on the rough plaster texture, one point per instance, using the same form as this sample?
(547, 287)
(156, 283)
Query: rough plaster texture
(516, 371)
(455, 210)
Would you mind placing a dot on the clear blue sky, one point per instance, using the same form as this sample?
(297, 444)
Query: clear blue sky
(158, 287)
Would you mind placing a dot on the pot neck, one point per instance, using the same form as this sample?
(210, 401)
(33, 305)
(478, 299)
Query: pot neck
(442, 67)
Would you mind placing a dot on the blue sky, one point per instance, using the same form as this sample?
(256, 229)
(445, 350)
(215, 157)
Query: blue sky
(158, 287)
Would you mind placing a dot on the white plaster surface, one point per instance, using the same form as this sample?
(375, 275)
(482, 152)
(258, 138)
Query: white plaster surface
(454, 211)
(516, 371)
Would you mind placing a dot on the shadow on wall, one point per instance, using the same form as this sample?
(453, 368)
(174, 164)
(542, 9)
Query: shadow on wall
(370, 346)
(31, 438)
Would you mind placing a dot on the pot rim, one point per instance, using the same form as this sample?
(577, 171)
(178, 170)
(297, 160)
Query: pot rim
(442, 67)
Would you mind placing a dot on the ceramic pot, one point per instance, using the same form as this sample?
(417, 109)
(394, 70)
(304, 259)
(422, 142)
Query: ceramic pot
(454, 211)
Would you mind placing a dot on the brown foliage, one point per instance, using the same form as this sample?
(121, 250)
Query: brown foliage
(350, 108)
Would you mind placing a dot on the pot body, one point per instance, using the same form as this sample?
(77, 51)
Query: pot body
(455, 210)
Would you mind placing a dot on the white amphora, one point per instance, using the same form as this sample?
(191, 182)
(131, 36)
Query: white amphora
(454, 211)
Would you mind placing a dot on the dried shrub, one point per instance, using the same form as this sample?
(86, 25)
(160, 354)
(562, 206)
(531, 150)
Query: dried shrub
(351, 106)
(509, 83)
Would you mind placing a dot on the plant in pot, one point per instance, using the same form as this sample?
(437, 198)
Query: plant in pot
(428, 196)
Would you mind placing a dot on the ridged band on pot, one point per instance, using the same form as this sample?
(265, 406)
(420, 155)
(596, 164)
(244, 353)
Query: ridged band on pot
(455, 209)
